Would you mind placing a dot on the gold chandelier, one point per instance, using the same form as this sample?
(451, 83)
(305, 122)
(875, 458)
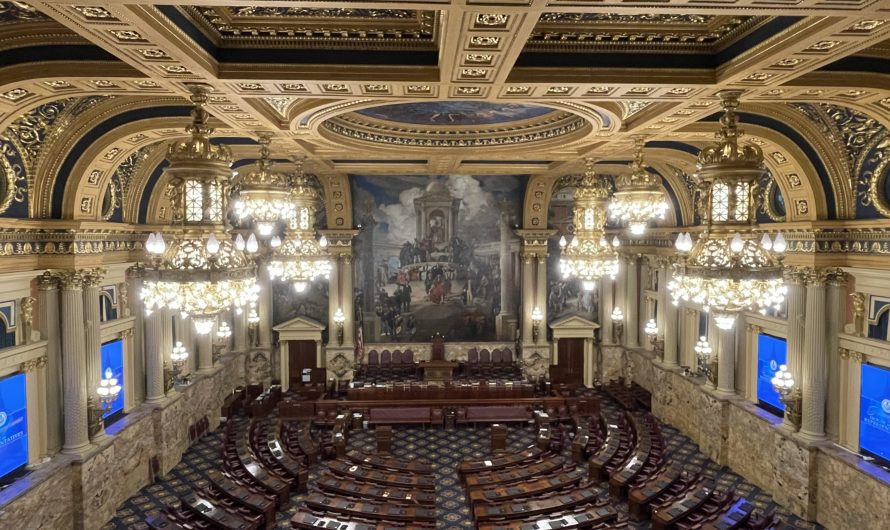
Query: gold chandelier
(728, 269)
(589, 256)
(299, 258)
(264, 195)
(201, 273)
(639, 196)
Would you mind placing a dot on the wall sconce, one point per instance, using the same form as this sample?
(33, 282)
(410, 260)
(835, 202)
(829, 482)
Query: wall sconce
(339, 319)
(617, 325)
(178, 358)
(652, 332)
(707, 363)
(783, 384)
(537, 318)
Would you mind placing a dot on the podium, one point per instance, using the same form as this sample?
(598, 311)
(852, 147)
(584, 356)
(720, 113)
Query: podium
(438, 370)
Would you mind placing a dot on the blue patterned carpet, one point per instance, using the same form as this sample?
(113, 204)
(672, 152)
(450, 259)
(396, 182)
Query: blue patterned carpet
(444, 450)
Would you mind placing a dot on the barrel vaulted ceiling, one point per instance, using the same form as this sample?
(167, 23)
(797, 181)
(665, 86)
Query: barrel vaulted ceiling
(91, 92)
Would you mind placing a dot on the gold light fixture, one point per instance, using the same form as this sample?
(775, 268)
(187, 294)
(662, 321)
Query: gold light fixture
(728, 269)
(264, 195)
(201, 274)
(639, 196)
(300, 258)
(589, 256)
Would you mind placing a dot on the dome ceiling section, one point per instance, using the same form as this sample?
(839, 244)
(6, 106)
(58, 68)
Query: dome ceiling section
(457, 124)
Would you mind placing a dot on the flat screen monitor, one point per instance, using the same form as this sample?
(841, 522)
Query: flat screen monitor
(113, 357)
(772, 352)
(13, 425)
(874, 412)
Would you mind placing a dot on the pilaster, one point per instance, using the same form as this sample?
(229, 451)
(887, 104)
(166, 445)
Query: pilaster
(92, 279)
(632, 301)
(835, 313)
(154, 359)
(669, 325)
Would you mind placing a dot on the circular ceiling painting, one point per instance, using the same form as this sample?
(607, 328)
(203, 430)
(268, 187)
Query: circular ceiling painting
(455, 113)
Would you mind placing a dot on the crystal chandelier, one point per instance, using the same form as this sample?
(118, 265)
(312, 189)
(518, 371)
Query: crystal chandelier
(264, 195)
(589, 256)
(639, 196)
(728, 269)
(299, 258)
(201, 273)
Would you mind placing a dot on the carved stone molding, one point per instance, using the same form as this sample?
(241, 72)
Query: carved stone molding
(852, 355)
(71, 280)
(93, 277)
(797, 275)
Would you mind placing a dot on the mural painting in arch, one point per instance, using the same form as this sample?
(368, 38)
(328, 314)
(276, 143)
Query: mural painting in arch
(565, 296)
(455, 112)
(432, 254)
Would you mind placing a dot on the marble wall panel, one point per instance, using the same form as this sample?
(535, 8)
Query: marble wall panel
(849, 497)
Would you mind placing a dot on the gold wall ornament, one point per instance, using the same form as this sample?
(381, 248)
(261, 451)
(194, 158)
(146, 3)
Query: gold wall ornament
(859, 320)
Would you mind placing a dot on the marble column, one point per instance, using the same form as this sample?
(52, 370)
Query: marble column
(205, 352)
(690, 337)
(645, 311)
(607, 302)
(505, 316)
(620, 296)
(632, 310)
(74, 383)
(669, 322)
(347, 299)
(135, 307)
(92, 334)
(239, 330)
(795, 306)
(154, 357)
(165, 345)
(48, 321)
(528, 296)
(264, 309)
(836, 315)
(726, 361)
(814, 368)
(541, 294)
(334, 302)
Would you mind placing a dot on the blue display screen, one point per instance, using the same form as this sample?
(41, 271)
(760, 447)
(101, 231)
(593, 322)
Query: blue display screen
(874, 411)
(13, 424)
(113, 357)
(772, 352)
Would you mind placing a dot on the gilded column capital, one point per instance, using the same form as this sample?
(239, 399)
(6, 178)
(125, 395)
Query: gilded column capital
(817, 277)
(837, 277)
(47, 281)
(127, 333)
(93, 277)
(70, 280)
(754, 328)
(797, 275)
(690, 311)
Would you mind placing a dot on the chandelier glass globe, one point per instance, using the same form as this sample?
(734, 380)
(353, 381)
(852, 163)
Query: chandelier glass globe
(200, 273)
(729, 269)
(639, 196)
(264, 195)
(589, 256)
(299, 258)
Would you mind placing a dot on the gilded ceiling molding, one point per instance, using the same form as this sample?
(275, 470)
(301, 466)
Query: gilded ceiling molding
(831, 159)
(57, 153)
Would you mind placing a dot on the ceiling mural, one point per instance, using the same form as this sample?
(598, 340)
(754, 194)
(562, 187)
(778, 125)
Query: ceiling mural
(454, 113)
(434, 254)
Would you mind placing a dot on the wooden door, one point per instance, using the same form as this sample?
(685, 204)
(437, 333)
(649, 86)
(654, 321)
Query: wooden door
(570, 355)
(301, 354)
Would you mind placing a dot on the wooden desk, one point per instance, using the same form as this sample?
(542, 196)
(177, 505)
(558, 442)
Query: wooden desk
(349, 488)
(735, 516)
(438, 370)
(214, 516)
(668, 516)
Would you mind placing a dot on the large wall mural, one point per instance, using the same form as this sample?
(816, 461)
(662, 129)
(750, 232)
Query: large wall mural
(565, 296)
(433, 255)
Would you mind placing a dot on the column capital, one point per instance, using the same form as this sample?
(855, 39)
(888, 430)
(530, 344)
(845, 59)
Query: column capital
(797, 275)
(32, 364)
(126, 333)
(70, 280)
(93, 277)
(837, 277)
(754, 328)
(817, 277)
(852, 355)
(47, 281)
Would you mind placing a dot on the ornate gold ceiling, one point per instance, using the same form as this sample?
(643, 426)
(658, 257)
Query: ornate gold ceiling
(313, 75)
